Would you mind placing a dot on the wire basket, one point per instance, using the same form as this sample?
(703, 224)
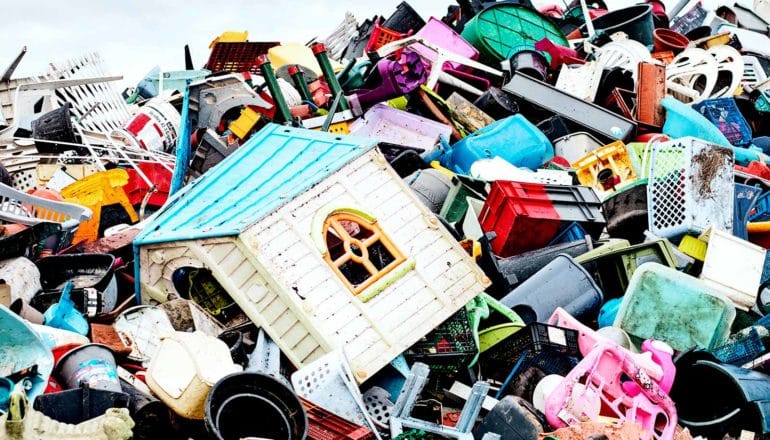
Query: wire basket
(237, 57)
(725, 115)
(550, 348)
(449, 347)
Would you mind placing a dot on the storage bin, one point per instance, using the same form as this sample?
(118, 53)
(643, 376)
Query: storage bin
(381, 36)
(527, 216)
(690, 187)
(673, 307)
(387, 124)
(325, 425)
(561, 283)
(573, 146)
(745, 198)
(626, 212)
(725, 115)
(734, 266)
(443, 36)
(448, 348)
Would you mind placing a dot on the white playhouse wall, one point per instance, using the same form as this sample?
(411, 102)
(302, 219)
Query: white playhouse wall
(276, 272)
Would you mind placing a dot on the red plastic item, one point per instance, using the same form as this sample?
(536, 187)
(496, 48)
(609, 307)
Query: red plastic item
(381, 36)
(137, 188)
(237, 57)
(325, 425)
(521, 214)
(755, 168)
(558, 53)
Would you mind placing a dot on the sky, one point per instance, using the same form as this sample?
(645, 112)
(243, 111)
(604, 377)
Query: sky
(135, 35)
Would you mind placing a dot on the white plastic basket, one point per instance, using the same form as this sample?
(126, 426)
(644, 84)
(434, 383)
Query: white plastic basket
(690, 187)
(19, 207)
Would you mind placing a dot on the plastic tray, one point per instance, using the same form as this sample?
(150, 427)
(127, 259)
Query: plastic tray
(387, 124)
(237, 57)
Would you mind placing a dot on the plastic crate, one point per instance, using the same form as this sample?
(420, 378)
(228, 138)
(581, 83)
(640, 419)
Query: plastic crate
(237, 57)
(547, 347)
(449, 347)
(325, 425)
(527, 216)
(690, 187)
(19, 207)
(745, 198)
(725, 115)
(741, 351)
(381, 36)
(734, 266)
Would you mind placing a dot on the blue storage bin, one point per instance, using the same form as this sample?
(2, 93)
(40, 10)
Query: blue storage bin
(745, 198)
(725, 115)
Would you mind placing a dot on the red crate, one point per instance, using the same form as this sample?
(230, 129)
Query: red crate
(237, 57)
(527, 216)
(325, 425)
(381, 36)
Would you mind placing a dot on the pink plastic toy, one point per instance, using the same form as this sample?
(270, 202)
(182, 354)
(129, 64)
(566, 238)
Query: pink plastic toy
(588, 338)
(663, 355)
(603, 371)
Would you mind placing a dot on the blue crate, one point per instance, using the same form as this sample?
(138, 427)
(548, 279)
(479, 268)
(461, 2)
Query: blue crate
(741, 351)
(725, 115)
(572, 232)
(761, 210)
(745, 199)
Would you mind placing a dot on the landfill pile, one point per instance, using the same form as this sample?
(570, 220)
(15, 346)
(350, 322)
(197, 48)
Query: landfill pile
(505, 222)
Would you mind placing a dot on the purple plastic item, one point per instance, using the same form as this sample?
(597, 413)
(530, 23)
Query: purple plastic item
(443, 36)
(390, 125)
(399, 77)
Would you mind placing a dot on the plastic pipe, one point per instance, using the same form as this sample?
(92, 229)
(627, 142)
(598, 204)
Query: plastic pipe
(319, 50)
(299, 82)
(281, 108)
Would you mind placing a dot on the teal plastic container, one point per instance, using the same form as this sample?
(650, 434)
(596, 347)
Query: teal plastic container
(514, 139)
(680, 310)
(502, 30)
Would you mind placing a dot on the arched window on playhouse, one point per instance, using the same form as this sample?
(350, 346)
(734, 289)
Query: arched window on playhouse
(358, 250)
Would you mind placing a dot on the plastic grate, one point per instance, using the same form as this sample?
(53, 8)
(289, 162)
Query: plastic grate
(449, 347)
(667, 189)
(325, 425)
(725, 115)
(237, 57)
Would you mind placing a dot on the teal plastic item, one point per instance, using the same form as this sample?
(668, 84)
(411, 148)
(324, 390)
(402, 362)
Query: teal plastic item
(64, 315)
(682, 121)
(22, 348)
(513, 139)
(172, 80)
(502, 30)
(678, 309)
(270, 169)
(608, 312)
(182, 146)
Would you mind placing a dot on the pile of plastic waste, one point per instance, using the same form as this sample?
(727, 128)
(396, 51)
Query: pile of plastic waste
(504, 222)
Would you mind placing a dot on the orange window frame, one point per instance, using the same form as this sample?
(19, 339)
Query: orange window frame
(333, 221)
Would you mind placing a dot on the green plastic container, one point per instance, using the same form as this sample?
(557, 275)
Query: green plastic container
(680, 310)
(502, 30)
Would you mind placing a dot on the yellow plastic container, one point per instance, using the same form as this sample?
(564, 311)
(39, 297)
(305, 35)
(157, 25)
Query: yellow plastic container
(693, 247)
(243, 125)
(95, 191)
(230, 37)
(613, 157)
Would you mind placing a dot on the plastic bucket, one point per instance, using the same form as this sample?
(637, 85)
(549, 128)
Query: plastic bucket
(561, 283)
(635, 21)
(154, 127)
(530, 62)
(496, 103)
(236, 399)
(666, 39)
(93, 364)
(234, 341)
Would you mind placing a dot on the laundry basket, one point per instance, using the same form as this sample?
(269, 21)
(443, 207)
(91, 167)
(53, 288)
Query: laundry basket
(19, 207)
(690, 187)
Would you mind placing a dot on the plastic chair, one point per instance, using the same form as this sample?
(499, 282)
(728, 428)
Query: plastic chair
(95, 191)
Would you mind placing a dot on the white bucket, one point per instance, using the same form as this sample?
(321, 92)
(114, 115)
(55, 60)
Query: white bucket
(155, 127)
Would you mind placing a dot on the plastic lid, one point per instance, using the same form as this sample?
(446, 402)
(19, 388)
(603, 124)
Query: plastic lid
(318, 48)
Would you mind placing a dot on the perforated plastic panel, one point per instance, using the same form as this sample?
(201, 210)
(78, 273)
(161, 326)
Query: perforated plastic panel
(378, 405)
(690, 187)
(328, 383)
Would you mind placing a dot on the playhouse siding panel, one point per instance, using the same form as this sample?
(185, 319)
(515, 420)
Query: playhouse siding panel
(372, 333)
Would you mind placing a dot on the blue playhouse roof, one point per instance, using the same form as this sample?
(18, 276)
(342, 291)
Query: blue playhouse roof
(277, 164)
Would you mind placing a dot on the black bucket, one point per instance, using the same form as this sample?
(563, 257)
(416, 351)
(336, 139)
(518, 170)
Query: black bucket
(635, 21)
(235, 401)
(55, 125)
(626, 213)
(405, 19)
(496, 103)
(234, 341)
(530, 62)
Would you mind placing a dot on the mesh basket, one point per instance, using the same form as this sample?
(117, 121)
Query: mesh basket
(552, 349)
(382, 36)
(690, 187)
(741, 351)
(237, 57)
(725, 115)
(449, 347)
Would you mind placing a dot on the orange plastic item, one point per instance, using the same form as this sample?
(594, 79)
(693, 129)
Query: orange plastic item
(47, 194)
(94, 192)
(382, 36)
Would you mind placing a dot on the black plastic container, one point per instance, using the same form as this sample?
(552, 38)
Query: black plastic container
(405, 19)
(510, 419)
(78, 405)
(496, 103)
(626, 213)
(235, 401)
(85, 271)
(55, 125)
(151, 416)
(519, 268)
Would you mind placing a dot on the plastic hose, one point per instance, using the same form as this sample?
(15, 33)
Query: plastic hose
(711, 422)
